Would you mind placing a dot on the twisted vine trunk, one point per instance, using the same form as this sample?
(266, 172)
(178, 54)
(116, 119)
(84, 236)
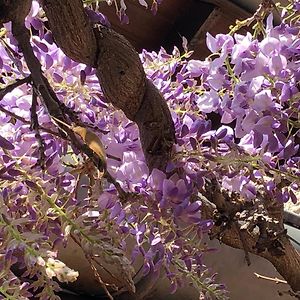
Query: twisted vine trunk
(120, 72)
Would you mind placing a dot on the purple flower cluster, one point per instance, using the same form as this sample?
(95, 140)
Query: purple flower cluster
(238, 109)
(94, 11)
(237, 121)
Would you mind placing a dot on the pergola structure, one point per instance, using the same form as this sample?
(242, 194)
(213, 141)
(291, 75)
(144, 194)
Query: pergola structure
(173, 20)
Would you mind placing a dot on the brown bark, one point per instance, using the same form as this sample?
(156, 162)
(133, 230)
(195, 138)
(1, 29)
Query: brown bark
(287, 264)
(8, 9)
(78, 43)
(120, 71)
(121, 75)
(156, 134)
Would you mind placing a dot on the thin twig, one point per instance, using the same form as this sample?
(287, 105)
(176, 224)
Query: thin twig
(10, 49)
(123, 195)
(99, 279)
(108, 272)
(113, 157)
(14, 85)
(97, 262)
(274, 279)
(35, 127)
(14, 56)
(13, 115)
(264, 8)
(96, 273)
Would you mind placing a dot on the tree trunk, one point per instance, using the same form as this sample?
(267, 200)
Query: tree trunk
(121, 75)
